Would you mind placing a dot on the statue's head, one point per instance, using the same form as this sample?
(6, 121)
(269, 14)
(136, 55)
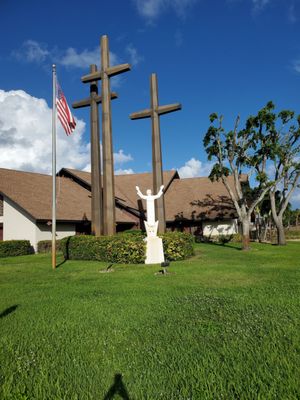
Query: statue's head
(151, 231)
(149, 192)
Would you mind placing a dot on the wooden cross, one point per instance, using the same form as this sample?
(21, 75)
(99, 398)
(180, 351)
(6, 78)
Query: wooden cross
(96, 187)
(154, 113)
(109, 225)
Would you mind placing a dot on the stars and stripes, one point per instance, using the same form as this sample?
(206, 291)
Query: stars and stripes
(63, 111)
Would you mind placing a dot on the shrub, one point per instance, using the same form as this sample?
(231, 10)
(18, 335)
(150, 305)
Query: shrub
(135, 232)
(81, 247)
(10, 248)
(292, 234)
(223, 239)
(124, 248)
(177, 245)
(236, 238)
(45, 246)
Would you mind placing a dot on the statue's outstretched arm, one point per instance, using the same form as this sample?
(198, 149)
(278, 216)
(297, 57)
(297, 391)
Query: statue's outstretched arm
(140, 193)
(159, 193)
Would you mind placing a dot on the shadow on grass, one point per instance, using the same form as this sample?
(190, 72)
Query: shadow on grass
(117, 388)
(65, 252)
(61, 263)
(9, 310)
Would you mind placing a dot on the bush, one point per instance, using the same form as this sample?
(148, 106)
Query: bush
(45, 246)
(223, 239)
(81, 247)
(124, 248)
(292, 234)
(10, 248)
(177, 245)
(135, 232)
(236, 238)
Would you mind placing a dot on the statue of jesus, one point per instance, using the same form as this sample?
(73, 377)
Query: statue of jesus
(150, 203)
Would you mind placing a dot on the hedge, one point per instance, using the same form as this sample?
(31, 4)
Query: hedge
(292, 234)
(177, 245)
(124, 248)
(45, 246)
(10, 248)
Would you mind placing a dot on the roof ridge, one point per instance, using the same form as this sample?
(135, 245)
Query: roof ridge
(136, 173)
(24, 172)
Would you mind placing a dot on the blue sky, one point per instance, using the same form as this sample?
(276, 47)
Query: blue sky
(225, 56)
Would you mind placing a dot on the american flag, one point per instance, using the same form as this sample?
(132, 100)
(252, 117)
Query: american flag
(63, 111)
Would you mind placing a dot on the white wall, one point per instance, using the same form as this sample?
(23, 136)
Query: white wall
(1, 219)
(18, 225)
(216, 228)
(44, 231)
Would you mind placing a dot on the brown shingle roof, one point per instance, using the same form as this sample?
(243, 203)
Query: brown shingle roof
(185, 199)
(125, 184)
(33, 193)
(198, 199)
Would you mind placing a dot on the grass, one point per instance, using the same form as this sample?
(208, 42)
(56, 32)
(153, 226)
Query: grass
(226, 325)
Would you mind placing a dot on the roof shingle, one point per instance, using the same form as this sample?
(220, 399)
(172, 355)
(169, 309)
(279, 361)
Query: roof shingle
(33, 193)
(185, 199)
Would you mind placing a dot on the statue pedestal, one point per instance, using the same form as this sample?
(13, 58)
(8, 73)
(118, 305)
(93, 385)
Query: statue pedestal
(154, 252)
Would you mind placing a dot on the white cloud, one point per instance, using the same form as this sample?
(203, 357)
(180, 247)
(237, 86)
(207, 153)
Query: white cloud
(135, 58)
(87, 168)
(260, 4)
(296, 65)
(194, 168)
(152, 9)
(121, 158)
(292, 14)
(25, 137)
(72, 58)
(32, 51)
(124, 171)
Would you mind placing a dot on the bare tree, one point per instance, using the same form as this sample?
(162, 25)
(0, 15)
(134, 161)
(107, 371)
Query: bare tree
(243, 151)
(286, 163)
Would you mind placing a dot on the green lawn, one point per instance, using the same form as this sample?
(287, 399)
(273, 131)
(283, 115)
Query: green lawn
(226, 325)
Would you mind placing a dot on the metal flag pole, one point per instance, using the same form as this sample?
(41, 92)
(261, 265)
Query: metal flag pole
(54, 167)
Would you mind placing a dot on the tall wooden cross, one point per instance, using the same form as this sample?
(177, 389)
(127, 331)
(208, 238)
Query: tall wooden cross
(154, 113)
(109, 219)
(96, 187)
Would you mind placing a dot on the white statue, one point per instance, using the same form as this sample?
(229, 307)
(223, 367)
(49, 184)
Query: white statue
(150, 203)
(154, 251)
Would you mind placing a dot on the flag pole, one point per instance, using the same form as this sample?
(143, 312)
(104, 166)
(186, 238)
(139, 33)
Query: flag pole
(54, 166)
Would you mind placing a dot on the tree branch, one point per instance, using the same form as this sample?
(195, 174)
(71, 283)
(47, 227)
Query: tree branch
(287, 199)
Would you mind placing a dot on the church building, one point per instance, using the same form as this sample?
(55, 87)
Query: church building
(194, 205)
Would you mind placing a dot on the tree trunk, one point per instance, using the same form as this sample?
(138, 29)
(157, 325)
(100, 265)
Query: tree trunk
(277, 218)
(246, 234)
(280, 232)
